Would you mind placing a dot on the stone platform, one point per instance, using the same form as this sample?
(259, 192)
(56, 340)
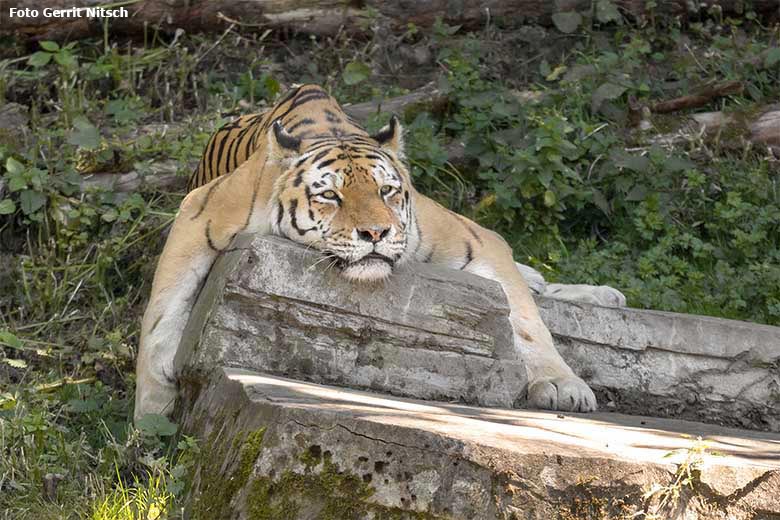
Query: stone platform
(276, 448)
(671, 365)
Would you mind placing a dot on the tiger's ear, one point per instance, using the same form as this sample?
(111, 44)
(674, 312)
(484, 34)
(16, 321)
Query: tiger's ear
(391, 136)
(281, 144)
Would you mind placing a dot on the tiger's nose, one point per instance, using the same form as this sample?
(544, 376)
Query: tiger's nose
(372, 234)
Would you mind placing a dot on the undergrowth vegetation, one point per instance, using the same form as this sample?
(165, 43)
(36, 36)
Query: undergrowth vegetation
(536, 140)
(557, 169)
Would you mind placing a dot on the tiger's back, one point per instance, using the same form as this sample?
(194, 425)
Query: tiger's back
(305, 112)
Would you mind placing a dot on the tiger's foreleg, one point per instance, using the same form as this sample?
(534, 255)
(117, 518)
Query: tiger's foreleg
(552, 383)
(209, 219)
(454, 241)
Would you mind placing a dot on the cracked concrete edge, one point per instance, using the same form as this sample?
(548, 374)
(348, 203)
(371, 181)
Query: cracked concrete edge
(415, 471)
(444, 298)
(637, 329)
(641, 362)
(626, 328)
(666, 364)
(239, 271)
(402, 370)
(741, 392)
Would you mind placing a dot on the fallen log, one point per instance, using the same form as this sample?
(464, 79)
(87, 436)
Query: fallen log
(428, 96)
(766, 129)
(698, 99)
(323, 18)
(168, 15)
(162, 176)
(760, 128)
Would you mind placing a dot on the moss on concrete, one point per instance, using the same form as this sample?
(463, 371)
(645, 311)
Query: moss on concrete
(217, 489)
(322, 487)
(253, 443)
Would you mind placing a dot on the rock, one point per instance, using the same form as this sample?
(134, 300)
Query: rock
(766, 129)
(276, 448)
(712, 121)
(442, 334)
(533, 34)
(427, 96)
(13, 116)
(432, 333)
(671, 365)
(593, 294)
(418, 55)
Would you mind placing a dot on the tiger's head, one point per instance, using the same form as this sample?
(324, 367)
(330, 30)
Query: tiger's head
(347, 195)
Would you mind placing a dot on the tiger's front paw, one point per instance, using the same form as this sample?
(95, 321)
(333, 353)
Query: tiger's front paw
(567, 393)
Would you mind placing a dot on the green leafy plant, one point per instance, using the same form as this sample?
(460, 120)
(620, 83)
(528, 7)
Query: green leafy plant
(578, 198)
(28, 183)
(356, 72)
(63, 56)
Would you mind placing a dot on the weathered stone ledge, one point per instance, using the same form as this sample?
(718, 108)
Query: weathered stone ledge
(276, 448)
(673, 365)
(430, 333)
(433, 333)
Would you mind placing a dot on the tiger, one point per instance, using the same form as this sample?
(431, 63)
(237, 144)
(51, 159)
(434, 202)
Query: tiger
(306, 171)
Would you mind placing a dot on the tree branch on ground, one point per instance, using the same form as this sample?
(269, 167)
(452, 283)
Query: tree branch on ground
(699, 99)
(329, 17)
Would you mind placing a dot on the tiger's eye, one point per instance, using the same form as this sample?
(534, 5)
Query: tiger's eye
(330, 194)
(386, 189)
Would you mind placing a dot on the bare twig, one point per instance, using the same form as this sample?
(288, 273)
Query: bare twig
(219, 40)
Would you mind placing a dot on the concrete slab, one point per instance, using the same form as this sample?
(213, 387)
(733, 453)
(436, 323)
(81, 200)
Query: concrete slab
(274, 445)
(672, 365)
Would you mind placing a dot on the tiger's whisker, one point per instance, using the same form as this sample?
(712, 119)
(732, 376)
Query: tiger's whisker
(332, 264)
(320, 260)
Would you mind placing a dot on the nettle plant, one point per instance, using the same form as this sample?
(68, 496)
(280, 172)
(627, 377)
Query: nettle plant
(51, 196)
(530, 160)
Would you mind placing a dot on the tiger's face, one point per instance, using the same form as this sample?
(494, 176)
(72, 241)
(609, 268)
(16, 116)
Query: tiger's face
(348, 198)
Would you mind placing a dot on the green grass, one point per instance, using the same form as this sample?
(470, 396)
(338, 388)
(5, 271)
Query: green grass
(575, 189)
(149, 500)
